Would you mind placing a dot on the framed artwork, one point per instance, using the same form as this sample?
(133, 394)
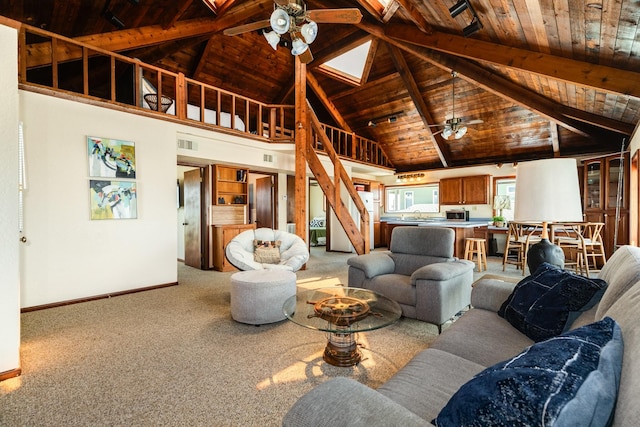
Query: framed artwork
(111, 158)
(113, 199)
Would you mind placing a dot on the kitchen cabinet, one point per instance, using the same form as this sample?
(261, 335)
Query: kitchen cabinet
(600, 198)
(467, 190)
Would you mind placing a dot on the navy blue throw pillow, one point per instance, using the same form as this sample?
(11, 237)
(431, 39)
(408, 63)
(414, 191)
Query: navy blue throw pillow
(546, 304)
(569, 380)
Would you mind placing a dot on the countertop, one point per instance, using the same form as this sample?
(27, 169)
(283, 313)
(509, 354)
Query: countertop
(448, 224)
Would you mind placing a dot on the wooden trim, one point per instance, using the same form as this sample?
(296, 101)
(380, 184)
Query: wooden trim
(94, 298)
(6, 375)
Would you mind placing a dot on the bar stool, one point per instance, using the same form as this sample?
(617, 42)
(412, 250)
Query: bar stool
(478, 247)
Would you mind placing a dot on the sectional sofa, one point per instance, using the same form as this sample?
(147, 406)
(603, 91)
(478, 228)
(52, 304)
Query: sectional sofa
(483, 353)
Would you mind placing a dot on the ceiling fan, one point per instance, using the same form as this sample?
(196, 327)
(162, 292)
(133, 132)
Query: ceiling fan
(455, 126)
(292, 17)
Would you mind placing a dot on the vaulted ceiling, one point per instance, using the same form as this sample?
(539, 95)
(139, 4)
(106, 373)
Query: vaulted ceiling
(546, 78)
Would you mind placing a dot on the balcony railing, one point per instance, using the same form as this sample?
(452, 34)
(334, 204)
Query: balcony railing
(96, 74)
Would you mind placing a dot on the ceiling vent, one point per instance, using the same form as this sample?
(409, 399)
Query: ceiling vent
(267, 158)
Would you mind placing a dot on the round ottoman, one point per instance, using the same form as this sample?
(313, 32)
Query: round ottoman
(257, 296)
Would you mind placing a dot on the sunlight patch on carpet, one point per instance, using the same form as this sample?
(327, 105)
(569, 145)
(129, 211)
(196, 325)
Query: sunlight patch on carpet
(319, 282)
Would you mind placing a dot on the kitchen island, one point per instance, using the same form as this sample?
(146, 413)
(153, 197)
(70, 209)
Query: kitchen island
(463, 229)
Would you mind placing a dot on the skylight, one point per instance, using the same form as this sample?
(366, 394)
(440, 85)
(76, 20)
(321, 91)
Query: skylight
(352, 62)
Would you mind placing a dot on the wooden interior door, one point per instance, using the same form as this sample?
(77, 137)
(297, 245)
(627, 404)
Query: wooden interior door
(192, 218)
(265, 202)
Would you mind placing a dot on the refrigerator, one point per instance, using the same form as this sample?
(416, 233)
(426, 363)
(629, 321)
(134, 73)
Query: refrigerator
(339, 240)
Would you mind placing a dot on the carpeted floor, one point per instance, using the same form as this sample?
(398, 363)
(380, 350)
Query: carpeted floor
(175, 357)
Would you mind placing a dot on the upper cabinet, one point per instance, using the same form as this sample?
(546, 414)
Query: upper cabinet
(468, 190)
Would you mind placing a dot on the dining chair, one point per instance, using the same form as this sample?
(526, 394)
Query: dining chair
(567, 238)
(520, 237)
(591, 255)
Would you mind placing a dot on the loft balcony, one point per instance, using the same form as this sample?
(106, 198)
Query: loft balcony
(56, 65)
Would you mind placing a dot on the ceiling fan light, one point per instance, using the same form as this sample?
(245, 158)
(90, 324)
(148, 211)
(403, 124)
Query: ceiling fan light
(460, 132)
(309, 31)
(273, 39)
(280, 21)
(447, 132)
(298, 47)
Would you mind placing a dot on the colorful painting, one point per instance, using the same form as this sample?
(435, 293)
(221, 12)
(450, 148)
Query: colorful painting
(111, 158)
(113, 199)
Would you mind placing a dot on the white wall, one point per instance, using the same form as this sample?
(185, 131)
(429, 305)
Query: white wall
(9, 238)
(69, 256)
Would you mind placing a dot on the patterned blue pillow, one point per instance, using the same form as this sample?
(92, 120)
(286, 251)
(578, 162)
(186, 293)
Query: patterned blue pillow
(569, 380)
(547, 303)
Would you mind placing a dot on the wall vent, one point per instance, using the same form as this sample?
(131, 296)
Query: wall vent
(186, 144)
(267, 158)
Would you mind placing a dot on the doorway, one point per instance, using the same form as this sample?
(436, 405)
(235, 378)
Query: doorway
(192, 246)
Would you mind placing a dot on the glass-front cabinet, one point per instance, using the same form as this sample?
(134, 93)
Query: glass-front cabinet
(593, 195)
(606, 198)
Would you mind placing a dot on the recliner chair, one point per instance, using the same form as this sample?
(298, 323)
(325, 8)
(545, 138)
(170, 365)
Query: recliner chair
(419, 272)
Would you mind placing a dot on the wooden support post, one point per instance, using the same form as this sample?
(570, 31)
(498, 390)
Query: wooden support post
(301, 131)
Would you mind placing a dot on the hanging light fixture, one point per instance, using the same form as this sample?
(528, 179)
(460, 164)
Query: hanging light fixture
(292, 19)
(273, 39)
(453, 125)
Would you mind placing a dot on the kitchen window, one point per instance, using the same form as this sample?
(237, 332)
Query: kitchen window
(412, 198)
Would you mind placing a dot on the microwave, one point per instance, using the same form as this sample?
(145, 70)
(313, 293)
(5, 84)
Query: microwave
(457, 215)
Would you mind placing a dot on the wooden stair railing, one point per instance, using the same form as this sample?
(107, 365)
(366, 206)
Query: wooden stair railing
(361, 241)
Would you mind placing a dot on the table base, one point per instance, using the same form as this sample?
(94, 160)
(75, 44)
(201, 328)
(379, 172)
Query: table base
(342, 350)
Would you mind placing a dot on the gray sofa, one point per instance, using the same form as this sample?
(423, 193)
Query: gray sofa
(416, 394)
(419, 272)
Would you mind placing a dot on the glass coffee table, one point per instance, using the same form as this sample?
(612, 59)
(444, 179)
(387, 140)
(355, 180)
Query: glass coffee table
(341, 312)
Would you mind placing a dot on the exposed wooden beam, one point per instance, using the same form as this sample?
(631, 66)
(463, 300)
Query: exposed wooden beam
(487, 80)
(390, 10)
(415, 10)
(171, 16)
(200, 63)
(414, 92)
(117, 41)
(328, 104)
(595, 76)
(151, 55)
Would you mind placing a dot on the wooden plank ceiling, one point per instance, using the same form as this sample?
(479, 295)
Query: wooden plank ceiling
(545, 78)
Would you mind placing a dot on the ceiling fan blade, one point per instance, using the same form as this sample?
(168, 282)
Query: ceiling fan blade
(246, 28)
(281, 2)
(335, 16)
(437, 132)
(474, 122)
(306, 56)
